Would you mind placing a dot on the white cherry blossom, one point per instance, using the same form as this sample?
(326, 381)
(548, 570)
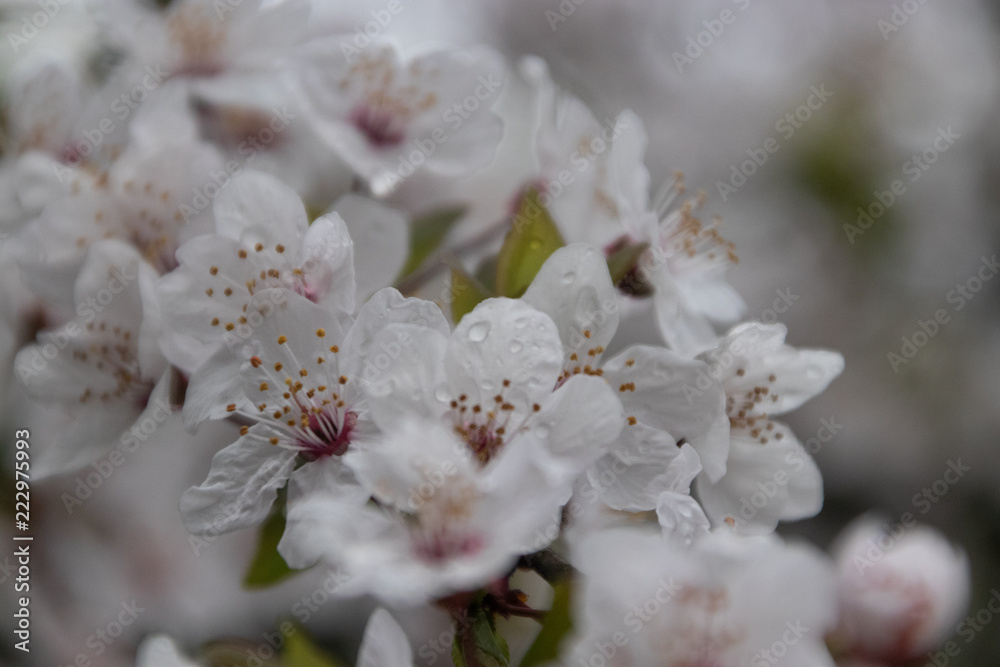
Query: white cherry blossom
(647, 601)
(649, 459)
(769, 475)
(388, 113)
(300, 391)
(902, 588)
(262, 240)
(477, 456)
(103, 367)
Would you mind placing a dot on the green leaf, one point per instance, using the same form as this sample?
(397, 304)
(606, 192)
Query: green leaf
(623, 261)
(466, 293)
(557, 625)
(486, 273)
(490, 647)
(532, 238)
(235, 653)
(300, 651)
(268, 567)
(426, 234)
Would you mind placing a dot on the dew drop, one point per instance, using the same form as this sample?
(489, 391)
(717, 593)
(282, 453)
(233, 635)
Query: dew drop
(479, 331)
(569, 278)
(515, 346)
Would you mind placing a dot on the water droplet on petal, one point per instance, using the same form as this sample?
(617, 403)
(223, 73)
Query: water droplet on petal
(479, 331)
(569, 278)
(515, 346)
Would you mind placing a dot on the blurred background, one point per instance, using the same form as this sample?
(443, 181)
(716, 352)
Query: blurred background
(871, 229)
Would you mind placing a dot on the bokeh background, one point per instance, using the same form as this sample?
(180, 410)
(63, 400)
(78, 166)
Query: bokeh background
(895, 77)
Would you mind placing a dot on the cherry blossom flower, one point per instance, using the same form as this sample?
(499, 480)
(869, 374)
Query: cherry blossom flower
(769, 475)
(655, 454)
(146, 197)
(477, 456)
(597, 188)
(301, 392)
(388, 114)
(103, 367)
(647, 601)
(263, 240)
(902, 589)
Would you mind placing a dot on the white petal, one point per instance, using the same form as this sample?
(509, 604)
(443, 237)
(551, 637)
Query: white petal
(764, 482)
(643, 464)
(384, 643)
(574, 288)
(404, 374)
(792, 376)
(258, 204)
(328, 263)
(212, 387)
(681, 517)
(381, 241)
(387, 306)
(504, 339)
(685, 331)
(416, 452)
(676, 395)
(575, 425)
(241, 485)
(161, 651)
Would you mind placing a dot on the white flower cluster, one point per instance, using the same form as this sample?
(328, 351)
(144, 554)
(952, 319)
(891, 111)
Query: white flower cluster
(237, 216)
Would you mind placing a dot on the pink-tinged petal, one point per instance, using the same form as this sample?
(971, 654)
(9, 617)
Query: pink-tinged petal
(328, 264)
